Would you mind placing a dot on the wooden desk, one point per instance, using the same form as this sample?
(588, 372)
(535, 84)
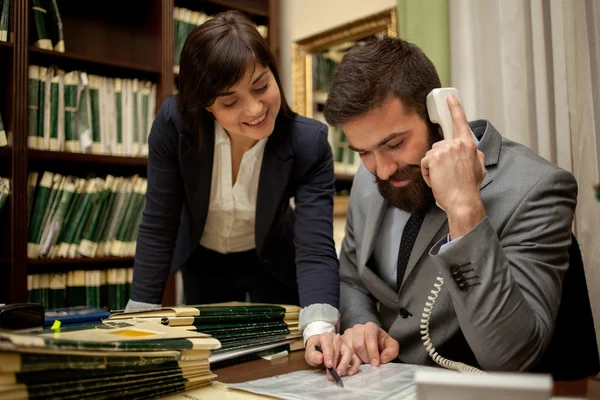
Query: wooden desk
(295, 362)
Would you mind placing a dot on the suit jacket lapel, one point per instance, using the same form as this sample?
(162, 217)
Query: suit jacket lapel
(276, 168)
(197, 166)
(434, 220)
(372, 224)
(380, 289)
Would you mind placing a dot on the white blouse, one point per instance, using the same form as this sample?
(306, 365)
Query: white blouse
(229, 224)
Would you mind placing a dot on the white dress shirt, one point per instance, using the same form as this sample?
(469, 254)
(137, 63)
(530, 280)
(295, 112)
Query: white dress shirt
(231, 214)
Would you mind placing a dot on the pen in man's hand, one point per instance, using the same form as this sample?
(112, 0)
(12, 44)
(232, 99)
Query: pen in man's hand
(338, 380)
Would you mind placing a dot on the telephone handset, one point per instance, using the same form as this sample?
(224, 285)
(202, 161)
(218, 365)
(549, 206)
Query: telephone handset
(439, 113)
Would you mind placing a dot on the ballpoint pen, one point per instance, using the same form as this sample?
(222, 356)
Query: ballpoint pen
(338, 380)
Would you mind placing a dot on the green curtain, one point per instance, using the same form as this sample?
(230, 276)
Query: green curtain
(426, 24)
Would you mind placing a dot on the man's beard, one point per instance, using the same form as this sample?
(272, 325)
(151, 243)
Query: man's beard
(416, 197)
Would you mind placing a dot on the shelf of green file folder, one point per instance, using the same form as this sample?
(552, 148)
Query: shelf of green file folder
(597, 190)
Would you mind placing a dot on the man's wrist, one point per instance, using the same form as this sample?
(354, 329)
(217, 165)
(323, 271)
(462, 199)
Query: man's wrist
(462, 219)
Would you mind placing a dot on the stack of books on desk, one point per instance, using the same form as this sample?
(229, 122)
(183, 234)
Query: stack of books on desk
(245, 330)
(126, 359)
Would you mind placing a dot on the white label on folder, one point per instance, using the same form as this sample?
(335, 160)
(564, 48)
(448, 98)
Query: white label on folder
(84, 79)
(85, 140)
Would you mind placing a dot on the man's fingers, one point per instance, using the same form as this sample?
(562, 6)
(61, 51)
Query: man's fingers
(391, 349)
(425, 170)
(346, 355)
(359, 345)
(481, 157)
(348, 336)
(372, 346)
(461, 125)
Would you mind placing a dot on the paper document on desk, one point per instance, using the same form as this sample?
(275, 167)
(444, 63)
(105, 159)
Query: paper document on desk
(388, 381)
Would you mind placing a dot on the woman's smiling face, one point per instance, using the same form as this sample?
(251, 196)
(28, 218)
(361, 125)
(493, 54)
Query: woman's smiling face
(250, 107)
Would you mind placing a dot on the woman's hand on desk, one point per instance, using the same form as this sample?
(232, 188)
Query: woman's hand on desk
(371, 343)
(335, 354)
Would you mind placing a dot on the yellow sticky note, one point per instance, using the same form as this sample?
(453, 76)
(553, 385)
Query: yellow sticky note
(56, 328)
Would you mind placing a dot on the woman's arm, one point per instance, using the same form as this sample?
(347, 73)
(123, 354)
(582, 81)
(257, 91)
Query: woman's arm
(316, 261)
(160, 220)
(317, 265)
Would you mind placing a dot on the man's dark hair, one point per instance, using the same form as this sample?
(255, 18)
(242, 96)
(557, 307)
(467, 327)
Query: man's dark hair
(369, 73)
(215, 56)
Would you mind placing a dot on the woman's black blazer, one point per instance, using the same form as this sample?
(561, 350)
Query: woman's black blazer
(296, 245)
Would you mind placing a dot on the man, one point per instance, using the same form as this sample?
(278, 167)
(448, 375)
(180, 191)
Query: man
(498, 235)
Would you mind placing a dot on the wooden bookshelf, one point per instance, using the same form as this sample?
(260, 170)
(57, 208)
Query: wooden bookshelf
(84, 158)
(40, 266)
(96, 260)
(92, 65)
(113, 38)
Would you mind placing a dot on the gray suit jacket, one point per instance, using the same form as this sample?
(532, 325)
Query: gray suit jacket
(513, 264)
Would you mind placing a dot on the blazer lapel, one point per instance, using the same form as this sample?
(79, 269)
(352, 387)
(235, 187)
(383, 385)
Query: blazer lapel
(197, 166)
(276, 168)
(490, 144)
(373, 222)
(433, 222)
(379, 288)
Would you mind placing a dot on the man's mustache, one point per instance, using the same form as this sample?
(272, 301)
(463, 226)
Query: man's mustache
(407, 173)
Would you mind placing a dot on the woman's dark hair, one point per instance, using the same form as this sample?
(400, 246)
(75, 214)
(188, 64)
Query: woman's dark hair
(371, 72)
(215, 57)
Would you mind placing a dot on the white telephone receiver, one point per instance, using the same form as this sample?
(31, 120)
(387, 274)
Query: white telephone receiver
(438, 109)
(439, 113)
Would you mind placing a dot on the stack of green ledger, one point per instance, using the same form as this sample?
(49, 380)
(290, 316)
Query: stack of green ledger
(116, 359)
(245, 330)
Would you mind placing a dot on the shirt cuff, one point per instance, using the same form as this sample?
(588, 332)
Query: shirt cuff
(133, 306)
(446, 243)
(327, 315)
(316, 328)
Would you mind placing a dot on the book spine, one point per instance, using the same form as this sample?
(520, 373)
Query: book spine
(33, 105)
(58, 40)
(57, 290)
(3, 139)
(52, 143)
(37, 216)
(42, 38)
(119, 115)
(4, 19)
(76, 289)
(95, 113)
(88, 244)
(70, 107)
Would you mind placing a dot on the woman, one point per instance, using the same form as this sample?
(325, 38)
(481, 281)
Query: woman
(226, 155)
